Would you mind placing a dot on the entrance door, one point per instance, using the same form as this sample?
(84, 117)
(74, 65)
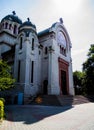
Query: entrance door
(63, 83)
(45, 85)
(63, 76)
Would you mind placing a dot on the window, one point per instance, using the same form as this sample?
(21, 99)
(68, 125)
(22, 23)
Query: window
(15, 29)
(32, 71)
(62, 51)
(32, 43)
(10, 27)
(39, 52)
(2, 25)
(46, 50)
(19, 65)
(21, 41)
(6, 25)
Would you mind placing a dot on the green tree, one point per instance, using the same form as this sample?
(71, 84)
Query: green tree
(6, 79)
(77, 78)
(88, 69)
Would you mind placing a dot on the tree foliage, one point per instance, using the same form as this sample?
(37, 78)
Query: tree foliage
(77, 78)
(88, 68)
(6, 79)
(85, 79)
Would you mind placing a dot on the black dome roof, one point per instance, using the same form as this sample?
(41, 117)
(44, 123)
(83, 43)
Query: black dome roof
(28, 23)
(13, 18)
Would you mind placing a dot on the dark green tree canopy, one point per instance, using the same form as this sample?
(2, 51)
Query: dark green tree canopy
(88, 68)
(78, 78)
(6, 80)
(89, 64)
(85, 79)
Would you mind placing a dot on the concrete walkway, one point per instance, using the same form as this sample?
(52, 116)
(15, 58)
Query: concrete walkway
(29, 117)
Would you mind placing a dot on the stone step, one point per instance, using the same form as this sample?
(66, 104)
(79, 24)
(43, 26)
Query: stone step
(72, 100)
(60, 100)
(47, 100)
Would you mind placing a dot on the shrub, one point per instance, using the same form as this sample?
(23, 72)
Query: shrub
(1, 110)
(3, 100)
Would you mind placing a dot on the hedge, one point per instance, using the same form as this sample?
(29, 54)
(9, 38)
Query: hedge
(1, 109)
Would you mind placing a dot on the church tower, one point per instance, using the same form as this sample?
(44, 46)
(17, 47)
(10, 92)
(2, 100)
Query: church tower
(27, 59)
(8, 33)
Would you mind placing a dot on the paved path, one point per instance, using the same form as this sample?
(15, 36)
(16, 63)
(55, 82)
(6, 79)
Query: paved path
(79, 117)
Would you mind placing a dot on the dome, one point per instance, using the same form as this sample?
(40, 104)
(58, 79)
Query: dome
(13, 18)
(28, 23)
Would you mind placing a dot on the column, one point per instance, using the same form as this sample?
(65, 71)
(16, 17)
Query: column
(49, 72)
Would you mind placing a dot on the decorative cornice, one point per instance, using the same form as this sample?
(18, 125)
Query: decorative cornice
(63, 61)
(3, 31)
(4, 42)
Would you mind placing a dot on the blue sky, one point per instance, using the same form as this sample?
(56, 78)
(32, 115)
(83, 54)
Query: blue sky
(77, 15)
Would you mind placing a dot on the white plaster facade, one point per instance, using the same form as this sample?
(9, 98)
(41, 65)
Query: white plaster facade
(35, 56)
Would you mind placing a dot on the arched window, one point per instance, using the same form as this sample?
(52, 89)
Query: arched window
(2, 25)
(32, 43)
(32, 71)
(39, 52)
(6, 25)
(60, 49)
(15, 29)
(46, 50)
(21, 41)
(10, 27)
(19, 68)
(63, 50)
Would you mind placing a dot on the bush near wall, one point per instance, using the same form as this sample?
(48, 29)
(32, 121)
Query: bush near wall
(1, 109)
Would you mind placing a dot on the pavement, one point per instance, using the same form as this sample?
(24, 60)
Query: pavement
(36, 117)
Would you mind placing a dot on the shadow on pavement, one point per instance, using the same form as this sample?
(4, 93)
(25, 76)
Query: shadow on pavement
(32, 113)
(29, 114)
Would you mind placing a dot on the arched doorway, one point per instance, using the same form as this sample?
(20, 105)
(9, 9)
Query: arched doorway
(45, 87)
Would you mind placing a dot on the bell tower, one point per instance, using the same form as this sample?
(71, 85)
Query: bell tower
(26, 58)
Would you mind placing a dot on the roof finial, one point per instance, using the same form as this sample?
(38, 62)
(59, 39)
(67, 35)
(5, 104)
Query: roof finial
(28, 19)
(61, 20)
(13, 12)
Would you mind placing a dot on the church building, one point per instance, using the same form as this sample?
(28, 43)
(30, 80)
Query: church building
(40, 62)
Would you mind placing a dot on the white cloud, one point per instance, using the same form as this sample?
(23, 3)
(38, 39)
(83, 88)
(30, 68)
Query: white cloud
(67, 6)
(79, 57)
(78, 52)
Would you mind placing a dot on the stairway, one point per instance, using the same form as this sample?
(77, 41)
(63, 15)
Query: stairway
(48, 100)
(59, 100)
(66, 100)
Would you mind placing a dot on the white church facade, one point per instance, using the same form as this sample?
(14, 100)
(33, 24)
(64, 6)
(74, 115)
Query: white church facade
(41, 62)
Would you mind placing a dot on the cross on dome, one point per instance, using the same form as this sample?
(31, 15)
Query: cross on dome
(28, 19)
(61, 20)
(14, 13)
